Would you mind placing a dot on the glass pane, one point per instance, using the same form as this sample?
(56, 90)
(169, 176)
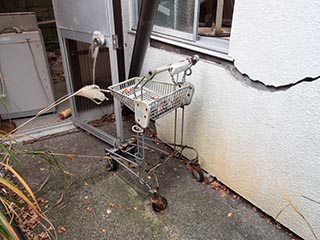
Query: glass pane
(176, 14)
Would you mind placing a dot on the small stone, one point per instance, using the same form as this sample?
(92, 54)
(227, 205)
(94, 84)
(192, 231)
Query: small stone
(108, 211)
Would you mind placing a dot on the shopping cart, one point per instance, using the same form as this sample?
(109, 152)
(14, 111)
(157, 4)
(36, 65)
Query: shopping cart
(151, 100)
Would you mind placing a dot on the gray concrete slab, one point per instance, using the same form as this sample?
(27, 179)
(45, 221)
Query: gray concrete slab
(195, 210)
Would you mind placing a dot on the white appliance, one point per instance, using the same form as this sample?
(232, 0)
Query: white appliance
(25, 83)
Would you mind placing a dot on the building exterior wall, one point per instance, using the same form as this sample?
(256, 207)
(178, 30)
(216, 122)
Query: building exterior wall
(277, 42)
(263, 142)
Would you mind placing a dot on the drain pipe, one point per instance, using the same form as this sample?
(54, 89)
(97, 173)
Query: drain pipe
(146, 19)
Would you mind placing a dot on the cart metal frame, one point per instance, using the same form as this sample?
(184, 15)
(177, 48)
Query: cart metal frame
(151, 100)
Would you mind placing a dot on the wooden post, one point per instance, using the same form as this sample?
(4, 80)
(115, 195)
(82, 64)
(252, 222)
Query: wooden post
(219, 16)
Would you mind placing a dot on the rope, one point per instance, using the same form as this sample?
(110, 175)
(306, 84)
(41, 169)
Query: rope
(94, 49)
(92, 92)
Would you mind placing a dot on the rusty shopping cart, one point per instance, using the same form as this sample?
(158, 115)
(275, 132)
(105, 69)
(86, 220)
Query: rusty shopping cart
(151, 100)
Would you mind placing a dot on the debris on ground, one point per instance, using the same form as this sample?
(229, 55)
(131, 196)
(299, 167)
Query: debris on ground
(103, 120)
(56, 67)
(229, 214)
(62, 229)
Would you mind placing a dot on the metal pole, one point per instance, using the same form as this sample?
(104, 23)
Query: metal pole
(146, 19)
(182, 125)
(175, 128)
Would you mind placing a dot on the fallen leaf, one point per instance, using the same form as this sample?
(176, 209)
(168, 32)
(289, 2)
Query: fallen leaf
(86, 184)
(43, 235)
(222, 194)
(89, 209)
(132, 165)
(62, 229)
(229, 214)
(42, 169)
(111, 204)
(161, 212)
(268, 220)
(215, 185)
(50, 228)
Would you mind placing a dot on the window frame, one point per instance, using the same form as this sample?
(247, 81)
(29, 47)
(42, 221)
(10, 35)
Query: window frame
(213, 46)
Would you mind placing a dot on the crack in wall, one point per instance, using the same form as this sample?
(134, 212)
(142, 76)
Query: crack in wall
(231, 68)
(258, 84)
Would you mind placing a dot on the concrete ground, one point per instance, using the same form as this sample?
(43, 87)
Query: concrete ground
(96, 204)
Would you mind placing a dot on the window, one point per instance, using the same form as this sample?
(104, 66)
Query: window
(200, 25)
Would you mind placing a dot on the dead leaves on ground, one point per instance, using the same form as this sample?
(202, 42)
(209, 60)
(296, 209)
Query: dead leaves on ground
(45, 235)
(225, 192)
(62, 229)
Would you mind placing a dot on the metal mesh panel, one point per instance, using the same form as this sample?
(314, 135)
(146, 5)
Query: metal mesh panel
(81, 71)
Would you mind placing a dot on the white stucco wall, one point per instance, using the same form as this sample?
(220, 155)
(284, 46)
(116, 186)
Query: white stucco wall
(263, 144)
(276, 42)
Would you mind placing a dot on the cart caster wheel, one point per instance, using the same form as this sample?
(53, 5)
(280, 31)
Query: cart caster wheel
(197, 174)
(113, 165)
(160, 204)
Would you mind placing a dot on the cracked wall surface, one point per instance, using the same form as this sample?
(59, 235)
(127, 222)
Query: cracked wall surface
(261, 138)
(276, 42)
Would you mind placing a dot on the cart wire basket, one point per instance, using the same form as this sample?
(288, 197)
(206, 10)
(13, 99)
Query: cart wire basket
(153, 99)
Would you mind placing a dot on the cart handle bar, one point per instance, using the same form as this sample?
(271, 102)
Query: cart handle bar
(173, 69)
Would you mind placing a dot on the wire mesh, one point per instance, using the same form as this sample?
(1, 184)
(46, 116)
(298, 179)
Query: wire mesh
(161, 97)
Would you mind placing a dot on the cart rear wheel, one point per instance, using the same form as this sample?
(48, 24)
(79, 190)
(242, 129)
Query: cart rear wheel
(198, 174)
(113, 165)
(160, 205)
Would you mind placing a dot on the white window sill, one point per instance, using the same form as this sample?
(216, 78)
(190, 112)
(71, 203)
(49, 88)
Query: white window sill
(216, 47)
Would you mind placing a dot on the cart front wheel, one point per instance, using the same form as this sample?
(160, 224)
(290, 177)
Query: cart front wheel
(198, 174)
(112, 165)
(160, 204)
